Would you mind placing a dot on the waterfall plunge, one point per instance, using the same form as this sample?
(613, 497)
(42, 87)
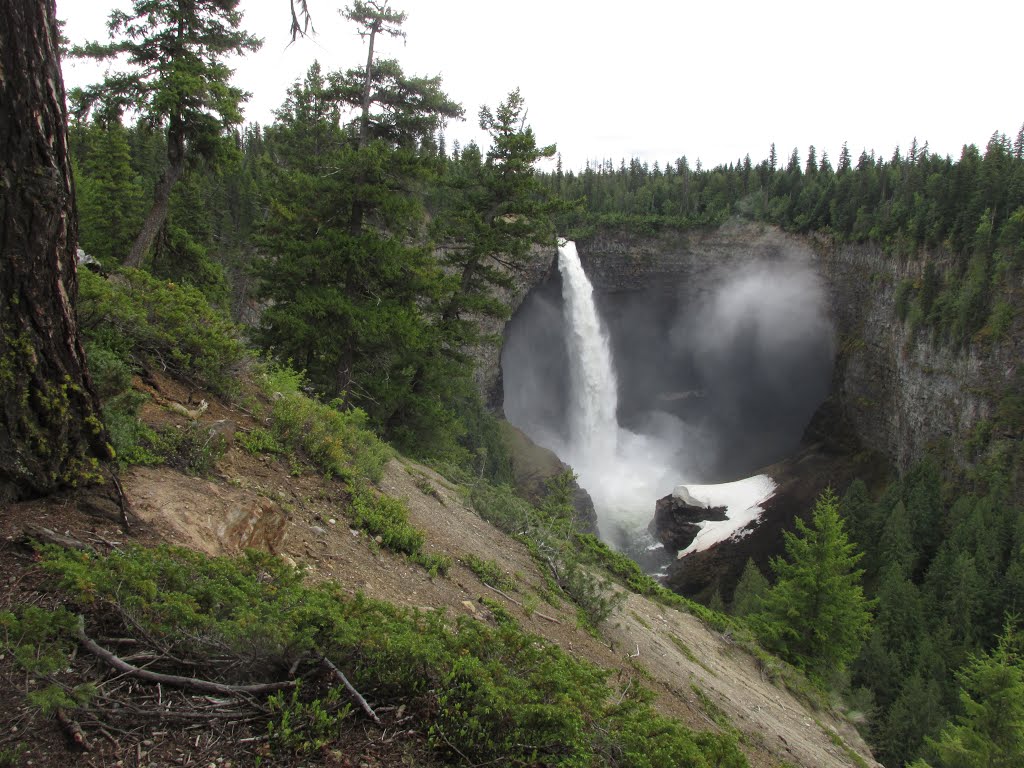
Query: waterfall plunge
(593, 425)
(624, 472)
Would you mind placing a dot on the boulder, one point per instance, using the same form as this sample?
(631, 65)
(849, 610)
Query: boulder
(678, 518)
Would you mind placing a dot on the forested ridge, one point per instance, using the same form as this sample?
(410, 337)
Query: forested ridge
(351, 243)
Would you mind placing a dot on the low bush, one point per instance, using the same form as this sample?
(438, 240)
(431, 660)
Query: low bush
(139, 320)
(477, 692)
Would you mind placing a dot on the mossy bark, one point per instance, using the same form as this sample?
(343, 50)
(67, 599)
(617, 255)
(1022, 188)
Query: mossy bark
(50, 432)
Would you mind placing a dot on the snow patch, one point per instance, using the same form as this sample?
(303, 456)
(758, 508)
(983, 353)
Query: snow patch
(742, 500)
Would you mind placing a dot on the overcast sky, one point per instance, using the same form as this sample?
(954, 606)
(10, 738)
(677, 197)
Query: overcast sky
(709, 79)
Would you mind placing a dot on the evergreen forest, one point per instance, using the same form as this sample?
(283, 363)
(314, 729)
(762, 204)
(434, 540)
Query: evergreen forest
(351, 250)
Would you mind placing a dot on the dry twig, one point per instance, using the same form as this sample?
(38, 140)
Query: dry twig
(351, 689)
(512, 599)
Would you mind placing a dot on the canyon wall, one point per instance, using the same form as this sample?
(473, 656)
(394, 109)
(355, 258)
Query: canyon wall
(894, 391)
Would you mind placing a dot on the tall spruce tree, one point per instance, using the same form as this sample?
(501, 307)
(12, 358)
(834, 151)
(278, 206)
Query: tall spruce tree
(816, 614)
(989, 733)
(174, 74)
(355, 291)
(498, 210)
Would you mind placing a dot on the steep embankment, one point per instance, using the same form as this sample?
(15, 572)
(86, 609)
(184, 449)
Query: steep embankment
(698, 675)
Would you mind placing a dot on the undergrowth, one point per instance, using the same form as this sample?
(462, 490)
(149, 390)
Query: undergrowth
(475, 692)
(133, 320)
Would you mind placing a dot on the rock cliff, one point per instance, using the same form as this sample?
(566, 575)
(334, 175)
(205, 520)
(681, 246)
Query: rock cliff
(893, 391)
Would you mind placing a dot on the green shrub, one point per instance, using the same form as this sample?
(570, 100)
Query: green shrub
(489, 572)
(337, 442)
(40, 640)
(192, 448)
(111, 375)
(301, 725)
(387, 518)
(478, 693)
(139, 319)
(259, 440)
(133, 441)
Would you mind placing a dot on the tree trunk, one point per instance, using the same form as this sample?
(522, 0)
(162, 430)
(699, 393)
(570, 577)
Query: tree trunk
(364, 118)
(161, 194)
(50, 433)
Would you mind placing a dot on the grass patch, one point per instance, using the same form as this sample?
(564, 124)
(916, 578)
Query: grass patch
(837, 740)
(489, 572)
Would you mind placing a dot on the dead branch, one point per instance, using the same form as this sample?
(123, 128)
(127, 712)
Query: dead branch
(176, 681)
(48, 536)
(122, 501)
(351, 689)
(73, 730)
(552, 619)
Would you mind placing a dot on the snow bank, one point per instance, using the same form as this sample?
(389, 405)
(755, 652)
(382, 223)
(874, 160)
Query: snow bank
(741, 499)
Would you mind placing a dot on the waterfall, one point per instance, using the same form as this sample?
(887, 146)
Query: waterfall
(593, 426)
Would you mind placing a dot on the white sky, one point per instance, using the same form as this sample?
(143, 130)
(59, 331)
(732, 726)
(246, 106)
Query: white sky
(709, 79)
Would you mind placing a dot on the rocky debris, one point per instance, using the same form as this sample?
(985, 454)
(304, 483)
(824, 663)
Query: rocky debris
(677, 520)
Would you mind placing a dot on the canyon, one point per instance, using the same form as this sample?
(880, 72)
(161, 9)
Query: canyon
(826, 384)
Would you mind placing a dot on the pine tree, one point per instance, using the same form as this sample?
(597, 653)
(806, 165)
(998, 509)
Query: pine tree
(107, 190)
(990, 731)
(176, 77)
(750, 590)
(816, 614)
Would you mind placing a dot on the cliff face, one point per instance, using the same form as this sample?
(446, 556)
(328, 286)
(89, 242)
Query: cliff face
(902, 392)
(898, 392)
(893, 392)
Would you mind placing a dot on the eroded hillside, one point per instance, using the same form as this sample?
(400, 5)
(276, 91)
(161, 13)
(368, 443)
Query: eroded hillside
(280, 504)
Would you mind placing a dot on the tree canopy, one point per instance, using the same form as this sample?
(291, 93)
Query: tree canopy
(816, 614)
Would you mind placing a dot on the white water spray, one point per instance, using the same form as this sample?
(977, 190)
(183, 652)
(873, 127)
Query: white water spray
(625, 472)
(593, 425)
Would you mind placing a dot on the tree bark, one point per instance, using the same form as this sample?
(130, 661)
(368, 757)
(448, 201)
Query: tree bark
(161, 194)
(50, 433)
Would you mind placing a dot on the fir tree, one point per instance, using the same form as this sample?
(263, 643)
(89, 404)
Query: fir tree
(816, 614)
(990, 731)
(175, 76)
(750, 590)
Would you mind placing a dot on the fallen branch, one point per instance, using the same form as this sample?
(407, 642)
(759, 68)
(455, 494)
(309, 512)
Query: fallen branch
(351, 689)
(552, 619)
(73, 730)
(48, 536)
(122, 501)
(176, 681)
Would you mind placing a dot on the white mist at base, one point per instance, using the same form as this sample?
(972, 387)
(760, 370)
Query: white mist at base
(625, 473)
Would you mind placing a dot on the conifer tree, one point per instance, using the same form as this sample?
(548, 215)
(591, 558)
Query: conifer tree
(990, 731)
(499, 210)
(750, 590)
(174, 74)
(816, 614)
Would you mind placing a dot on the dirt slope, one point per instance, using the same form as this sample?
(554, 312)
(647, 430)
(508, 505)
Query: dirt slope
(697, 673)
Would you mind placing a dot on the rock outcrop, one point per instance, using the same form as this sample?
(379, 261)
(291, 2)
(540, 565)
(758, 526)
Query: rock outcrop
(533, 465)
(677, 521)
